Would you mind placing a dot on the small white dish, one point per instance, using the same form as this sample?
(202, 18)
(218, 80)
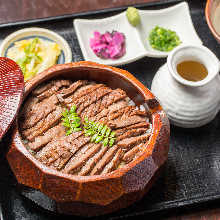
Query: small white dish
(65, 56)
(176, 18)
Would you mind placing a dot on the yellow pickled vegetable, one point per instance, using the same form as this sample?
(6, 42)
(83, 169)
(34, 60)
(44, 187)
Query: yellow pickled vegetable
(34, 55)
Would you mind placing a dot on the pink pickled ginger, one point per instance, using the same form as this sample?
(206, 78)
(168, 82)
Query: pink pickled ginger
(108, 45)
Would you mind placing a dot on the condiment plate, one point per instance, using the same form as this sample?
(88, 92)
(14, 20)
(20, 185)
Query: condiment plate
(176, 18)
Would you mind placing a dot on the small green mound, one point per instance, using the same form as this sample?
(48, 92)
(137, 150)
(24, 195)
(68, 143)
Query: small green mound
(133, 16)
(163, 39)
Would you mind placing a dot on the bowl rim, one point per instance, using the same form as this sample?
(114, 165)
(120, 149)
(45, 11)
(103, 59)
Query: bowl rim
(159, 120)
(208, 19)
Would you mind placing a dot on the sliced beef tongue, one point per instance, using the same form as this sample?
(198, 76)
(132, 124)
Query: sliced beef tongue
(139, 112)
(86, 169)
(58, 147)
(78, 160)
(131, 133)
(114, 96)
(113, 163)
(66, 156)
(43, 125)
(57, 84)
(65, 92)
(125, 121)
(62, 83)
(138, 125)
(101, 115)
(127, 143)
(88, 111)
(111, 109)
(28, 106)
(70, 150)
(40, 111)
(117, 106)
(91, 110)
(90, 98)
(129, 155)
(42, 88)
(74, 98)
(121, 112)
(104, 160)
(83, 89)
(44, 139)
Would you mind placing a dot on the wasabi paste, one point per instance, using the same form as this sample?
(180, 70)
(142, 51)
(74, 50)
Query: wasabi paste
(133, 16)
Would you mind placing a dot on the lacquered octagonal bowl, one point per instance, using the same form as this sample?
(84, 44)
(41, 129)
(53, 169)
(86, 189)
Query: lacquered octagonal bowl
(97, 194)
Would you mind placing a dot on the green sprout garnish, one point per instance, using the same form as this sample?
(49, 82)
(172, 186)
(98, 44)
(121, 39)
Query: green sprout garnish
(71, 120)
(99, 132)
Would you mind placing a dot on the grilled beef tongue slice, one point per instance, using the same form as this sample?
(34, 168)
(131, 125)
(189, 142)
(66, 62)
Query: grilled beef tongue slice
(40, 111)
(86, 169)
(114, 96)
(72, 147)
(83, 90)
(54, 150)
(105, 159)
(44, 139)
(57, 84)
(88, 111)
(79, 160)
(65, 92)
(113, 163)
(52, 119)
(131, 133)
(72, 99)
(111, 109)
(28, 106)
(129, 155)
(120, 113)
(117, 106)
(128, 143)
(91, 98)
(76, 146)
(126, 121)
(42, 88)
(138, 125)
(66, 156)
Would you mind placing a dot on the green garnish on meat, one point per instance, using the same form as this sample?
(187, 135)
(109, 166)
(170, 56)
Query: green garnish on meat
(98, 131)
(163, 39)
(71, 120)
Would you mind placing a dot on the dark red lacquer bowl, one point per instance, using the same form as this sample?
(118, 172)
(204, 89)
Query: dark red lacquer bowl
(98, 194)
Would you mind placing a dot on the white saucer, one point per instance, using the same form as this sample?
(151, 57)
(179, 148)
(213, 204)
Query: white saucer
(176, 18)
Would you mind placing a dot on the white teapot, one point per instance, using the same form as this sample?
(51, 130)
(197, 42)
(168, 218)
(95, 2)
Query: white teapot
(188, 104)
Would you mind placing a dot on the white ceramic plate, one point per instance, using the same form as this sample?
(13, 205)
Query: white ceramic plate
(65, 56)
(176, 18)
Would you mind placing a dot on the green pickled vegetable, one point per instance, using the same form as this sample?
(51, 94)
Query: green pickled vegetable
(133, 16)
(30, 56)
(30, 48)
(163, 39)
